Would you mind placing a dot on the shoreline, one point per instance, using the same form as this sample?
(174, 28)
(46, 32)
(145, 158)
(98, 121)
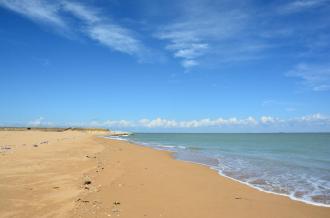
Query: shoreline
(205, 167)
(79, 174)
(172, 153)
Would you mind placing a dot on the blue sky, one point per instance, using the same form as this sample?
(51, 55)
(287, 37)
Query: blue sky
(181, 65)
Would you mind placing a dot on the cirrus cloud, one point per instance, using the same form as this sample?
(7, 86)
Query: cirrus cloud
(315, 77)
(92, 22)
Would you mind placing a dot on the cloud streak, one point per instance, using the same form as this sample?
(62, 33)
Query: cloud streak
(39, 11)
(92, 22)
(300, 5)
(199, 30)
(202, 33)
(222, 32)
(99, 28)
(315, 77)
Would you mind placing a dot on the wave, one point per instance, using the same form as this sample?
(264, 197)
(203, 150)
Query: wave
(259, 183)
(291, 195)
(116, 138)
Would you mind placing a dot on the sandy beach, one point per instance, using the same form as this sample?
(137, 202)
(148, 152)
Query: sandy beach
(79, 174)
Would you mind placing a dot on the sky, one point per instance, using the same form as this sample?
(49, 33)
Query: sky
(166, 65)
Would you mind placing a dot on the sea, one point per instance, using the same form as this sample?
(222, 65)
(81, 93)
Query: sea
(296, 165)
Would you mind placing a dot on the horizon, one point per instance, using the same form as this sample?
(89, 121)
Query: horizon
(166, 66)
(77, 127)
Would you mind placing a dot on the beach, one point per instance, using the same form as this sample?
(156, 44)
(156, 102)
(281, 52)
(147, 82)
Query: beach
(80, 174)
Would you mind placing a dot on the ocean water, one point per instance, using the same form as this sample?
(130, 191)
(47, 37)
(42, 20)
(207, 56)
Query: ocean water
(293, 164)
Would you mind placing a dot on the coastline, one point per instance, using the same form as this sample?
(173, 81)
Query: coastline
(126, 179)
(291, 197)
(176, 150)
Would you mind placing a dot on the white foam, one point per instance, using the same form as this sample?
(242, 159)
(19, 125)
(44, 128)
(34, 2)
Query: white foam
(116, 138)
(167, 147)
(291, 196)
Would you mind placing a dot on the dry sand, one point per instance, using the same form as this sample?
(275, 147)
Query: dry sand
(43, 174)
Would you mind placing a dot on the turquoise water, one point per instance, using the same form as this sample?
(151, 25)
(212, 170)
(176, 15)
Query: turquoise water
(292, 164)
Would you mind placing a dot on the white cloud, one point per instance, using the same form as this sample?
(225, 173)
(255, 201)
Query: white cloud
(208, 32)
(314, 118)
(98, 27)
(300, 5)
(164, 123)
(200, 28)
(115, 37)
(40, 11)
(312, 122)
(213, 32)
(91, 15)
(36, 122)
(92, 22)
(233, 122)
(193, 51)
(189, 63)
(269, 120)
(158, 122)
(316, 77)
(39, 122)
(203, 33)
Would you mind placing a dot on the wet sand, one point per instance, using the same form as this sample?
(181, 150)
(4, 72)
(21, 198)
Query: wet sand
(77, 174)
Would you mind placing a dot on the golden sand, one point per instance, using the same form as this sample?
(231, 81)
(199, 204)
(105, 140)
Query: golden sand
(77, 174)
